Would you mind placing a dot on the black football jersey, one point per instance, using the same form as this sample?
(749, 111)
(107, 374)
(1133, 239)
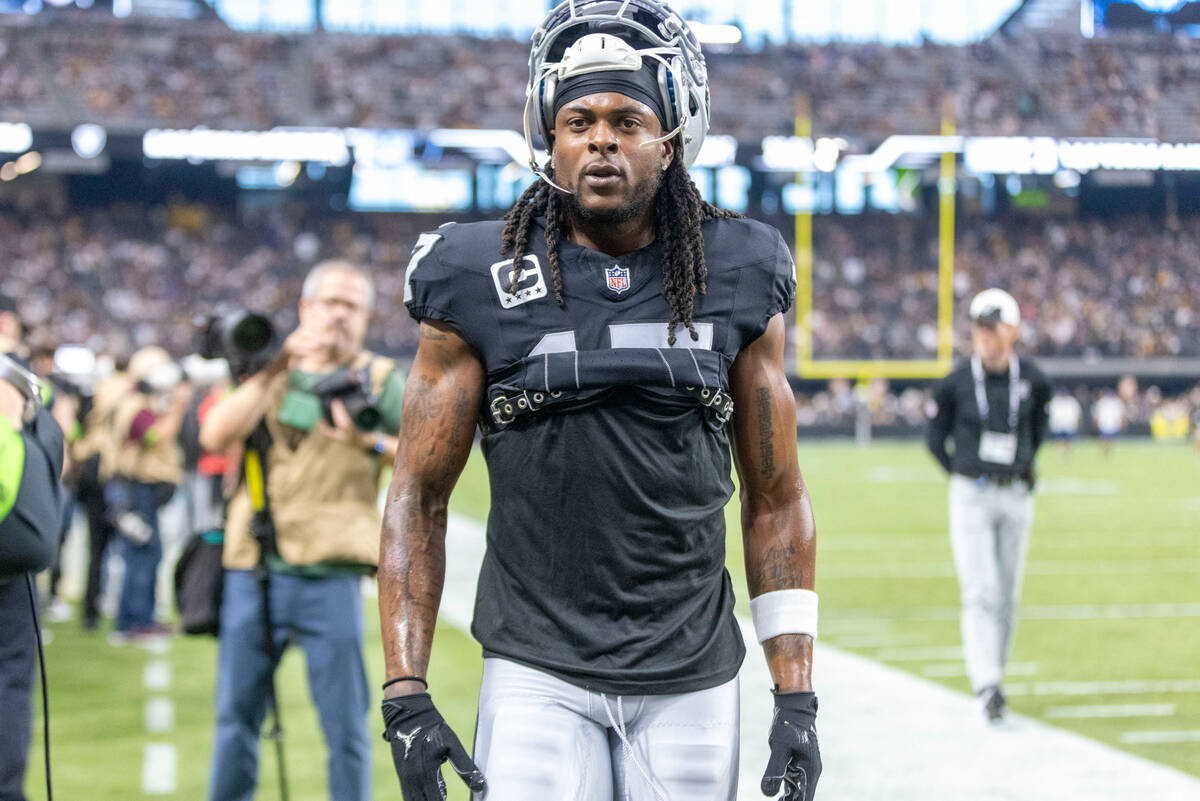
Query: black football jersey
(607, 452)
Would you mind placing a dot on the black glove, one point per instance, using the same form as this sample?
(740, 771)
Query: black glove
(421, 741)
(795, 760)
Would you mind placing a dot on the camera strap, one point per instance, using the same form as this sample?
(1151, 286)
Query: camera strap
(37, 633)
(254, 468)
(262, 527)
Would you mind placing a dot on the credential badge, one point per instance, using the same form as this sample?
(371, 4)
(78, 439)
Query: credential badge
(617, 278)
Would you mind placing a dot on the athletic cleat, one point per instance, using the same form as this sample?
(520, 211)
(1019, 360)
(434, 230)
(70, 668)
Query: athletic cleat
(994, 704)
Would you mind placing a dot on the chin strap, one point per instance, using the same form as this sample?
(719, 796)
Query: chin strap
(663, 138)
(533, 165)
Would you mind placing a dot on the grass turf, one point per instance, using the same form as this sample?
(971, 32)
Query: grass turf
(1121, 530)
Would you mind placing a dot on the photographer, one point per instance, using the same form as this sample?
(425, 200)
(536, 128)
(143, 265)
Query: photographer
(322, 484)
(95, 452)
(148, 464)
(31, 454)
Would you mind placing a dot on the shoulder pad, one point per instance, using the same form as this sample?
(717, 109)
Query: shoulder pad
(442, 277)
(739, 242)
(767, 283)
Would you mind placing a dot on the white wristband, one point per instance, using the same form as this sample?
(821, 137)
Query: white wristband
(784, 612)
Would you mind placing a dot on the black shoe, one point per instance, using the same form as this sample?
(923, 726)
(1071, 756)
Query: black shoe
(994, 704)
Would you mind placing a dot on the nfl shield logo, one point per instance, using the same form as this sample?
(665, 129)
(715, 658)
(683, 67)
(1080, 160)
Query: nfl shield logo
(617, 278)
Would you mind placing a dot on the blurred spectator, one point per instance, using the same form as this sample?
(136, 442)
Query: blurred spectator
(1169, 422)
(1108, 413)
(1066, 415)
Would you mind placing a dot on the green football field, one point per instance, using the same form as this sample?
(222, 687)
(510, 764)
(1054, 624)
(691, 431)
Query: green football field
(1107, 647)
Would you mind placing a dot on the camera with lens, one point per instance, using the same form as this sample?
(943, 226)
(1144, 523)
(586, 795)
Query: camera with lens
(353, 389)
(245, 339)
(24, 382)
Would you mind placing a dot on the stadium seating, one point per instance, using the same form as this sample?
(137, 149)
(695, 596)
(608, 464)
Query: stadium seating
(146, 74)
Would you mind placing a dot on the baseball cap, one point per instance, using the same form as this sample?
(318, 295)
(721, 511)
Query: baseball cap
(992, 306)
(8, 303)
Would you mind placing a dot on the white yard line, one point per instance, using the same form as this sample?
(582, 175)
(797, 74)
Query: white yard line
(1054, 612)
(159, 715)
(919, 653)
(1043, 567)
(945, 670)
(160, 767)
(892, 540)
(1123, 687)
(1109, 612)
(157, 675)
(160, 761)
(877, 639)
(887, 734)
(902, 474)
(1160, 737)
(1077, 486)
(1110, 711)
(875, 542)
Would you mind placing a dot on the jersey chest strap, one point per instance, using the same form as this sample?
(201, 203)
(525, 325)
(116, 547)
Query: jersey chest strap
(576, 377)
(507, 404)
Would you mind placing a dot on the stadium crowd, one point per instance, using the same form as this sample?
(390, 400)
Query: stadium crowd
(137, 277)
(835, 407)
(1087, 287)
(128, 74)
(1123, 287)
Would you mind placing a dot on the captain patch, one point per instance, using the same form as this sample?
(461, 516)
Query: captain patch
(531, 286)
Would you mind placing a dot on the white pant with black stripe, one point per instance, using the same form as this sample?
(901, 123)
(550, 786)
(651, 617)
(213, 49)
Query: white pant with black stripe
(989, 533)
(541, 739)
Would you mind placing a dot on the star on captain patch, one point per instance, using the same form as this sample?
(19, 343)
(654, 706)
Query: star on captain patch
(617, 278)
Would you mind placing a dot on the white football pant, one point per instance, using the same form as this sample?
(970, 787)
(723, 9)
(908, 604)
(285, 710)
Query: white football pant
(542, 739)
(989, 534)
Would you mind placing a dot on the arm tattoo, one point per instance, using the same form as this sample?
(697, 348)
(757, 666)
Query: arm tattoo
(433, 335)
(438, 424)
(776, 568)
(766, 445)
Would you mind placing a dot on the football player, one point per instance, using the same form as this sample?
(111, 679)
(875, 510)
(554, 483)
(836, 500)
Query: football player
(619, 341)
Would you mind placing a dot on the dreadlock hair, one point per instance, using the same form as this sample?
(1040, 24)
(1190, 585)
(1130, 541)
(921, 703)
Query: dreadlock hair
(679, 213)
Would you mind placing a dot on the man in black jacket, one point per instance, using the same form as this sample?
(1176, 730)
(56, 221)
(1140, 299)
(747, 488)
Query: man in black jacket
(993, 408)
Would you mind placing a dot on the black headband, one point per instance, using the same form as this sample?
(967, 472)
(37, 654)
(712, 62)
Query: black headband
(641, 86)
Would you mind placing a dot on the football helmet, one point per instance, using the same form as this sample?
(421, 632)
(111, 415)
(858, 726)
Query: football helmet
(577, 38)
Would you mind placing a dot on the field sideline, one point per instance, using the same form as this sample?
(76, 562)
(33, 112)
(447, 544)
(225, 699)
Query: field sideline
(1105, 648)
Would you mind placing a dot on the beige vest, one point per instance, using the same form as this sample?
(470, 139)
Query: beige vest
(99, 434)
(323, 493)
(160, 461)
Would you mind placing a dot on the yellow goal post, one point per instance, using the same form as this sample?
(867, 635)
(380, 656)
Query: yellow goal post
(866, 369)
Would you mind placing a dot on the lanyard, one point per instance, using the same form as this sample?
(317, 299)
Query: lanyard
(1014, 401)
